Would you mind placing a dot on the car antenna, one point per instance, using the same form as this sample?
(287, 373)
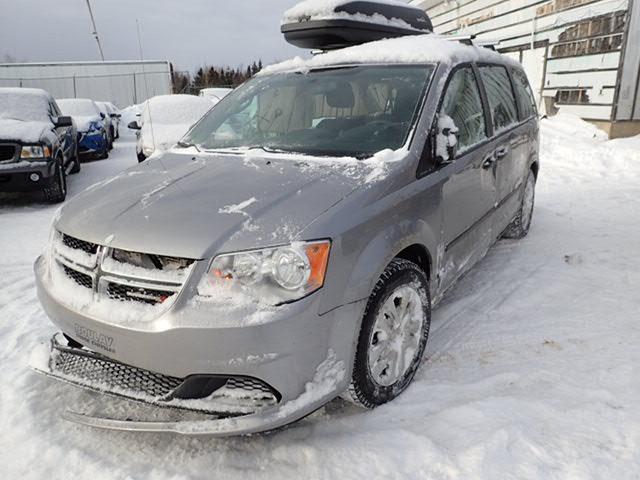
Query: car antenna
(146, 85)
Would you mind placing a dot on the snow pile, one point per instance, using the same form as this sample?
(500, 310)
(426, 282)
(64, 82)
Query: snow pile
(312, 10)
(167, 118)
(412, 49)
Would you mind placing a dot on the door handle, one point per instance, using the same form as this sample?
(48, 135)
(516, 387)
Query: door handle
(501, 152)
(488, 162)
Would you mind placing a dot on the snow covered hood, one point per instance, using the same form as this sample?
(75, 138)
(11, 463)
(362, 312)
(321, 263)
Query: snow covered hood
(187, 206)
(164, 136)
(20, 131)
(83, 121)
(429, 48)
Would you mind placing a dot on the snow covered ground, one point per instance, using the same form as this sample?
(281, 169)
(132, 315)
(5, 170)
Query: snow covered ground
(531, 369)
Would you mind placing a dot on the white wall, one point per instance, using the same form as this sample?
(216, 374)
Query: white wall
(123, 83)
(532, 28)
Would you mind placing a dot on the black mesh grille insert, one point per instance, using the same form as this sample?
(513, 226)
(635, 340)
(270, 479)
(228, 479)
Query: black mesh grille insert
(248, 384)
(121, 292)
(87, 247)
(80, 278)
(114, 375)
(7, 152)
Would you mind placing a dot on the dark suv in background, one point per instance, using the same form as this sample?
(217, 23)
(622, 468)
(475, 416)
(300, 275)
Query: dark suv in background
(38, 145)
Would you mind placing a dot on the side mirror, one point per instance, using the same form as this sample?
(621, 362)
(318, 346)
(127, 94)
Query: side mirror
(446, 141)
(102, 115)
(115, 115)
(64, 122)
(133, 126)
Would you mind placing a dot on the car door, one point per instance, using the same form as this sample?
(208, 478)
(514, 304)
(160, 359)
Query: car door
(469, 191)
(511, 138)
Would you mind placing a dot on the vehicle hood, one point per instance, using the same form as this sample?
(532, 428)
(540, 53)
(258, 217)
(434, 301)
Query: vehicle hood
(83, 121)
(193, 206)
(21, 131)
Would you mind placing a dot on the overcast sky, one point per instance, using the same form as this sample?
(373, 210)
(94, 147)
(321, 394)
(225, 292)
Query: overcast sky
(185, 32)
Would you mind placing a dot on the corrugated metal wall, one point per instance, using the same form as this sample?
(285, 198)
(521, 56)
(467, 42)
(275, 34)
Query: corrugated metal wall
(571, 49)
(123, 83)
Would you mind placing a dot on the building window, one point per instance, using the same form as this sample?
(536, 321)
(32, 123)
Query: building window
(572, 96)
(596, 35)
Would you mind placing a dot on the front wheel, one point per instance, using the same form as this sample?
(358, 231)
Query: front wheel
(393, 335)
(56, 192)
(519, 226)
(76, 161)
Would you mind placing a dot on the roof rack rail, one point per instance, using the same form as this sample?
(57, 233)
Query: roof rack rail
(470, 39)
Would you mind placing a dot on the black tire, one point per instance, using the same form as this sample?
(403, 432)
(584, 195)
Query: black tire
(56, 191)
(76, 161)
(520, 225)
(141, 157)
(105, 152)
(364, 390)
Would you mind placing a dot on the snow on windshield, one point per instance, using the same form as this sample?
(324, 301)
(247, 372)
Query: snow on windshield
(82, 107)
(356, 111)
(25, 104)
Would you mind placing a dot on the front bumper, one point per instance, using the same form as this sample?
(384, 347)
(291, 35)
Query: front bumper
(16, 177)
(289, 353)
(89, 143)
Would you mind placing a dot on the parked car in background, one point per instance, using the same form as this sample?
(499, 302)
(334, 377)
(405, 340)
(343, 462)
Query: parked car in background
(108, 123)
(115, 115)
(93, 137)
(38, 145)
(215, 94)
(164, 121)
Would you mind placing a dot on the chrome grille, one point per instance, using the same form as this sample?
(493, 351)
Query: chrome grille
(121, 275)
(80, 278)
(118, 291)
(76, 244)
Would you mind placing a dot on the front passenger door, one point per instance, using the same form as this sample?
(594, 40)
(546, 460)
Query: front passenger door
(469, 191)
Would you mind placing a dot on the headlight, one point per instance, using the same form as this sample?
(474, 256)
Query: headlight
(270, 275)
(147, 150)
(35, 151)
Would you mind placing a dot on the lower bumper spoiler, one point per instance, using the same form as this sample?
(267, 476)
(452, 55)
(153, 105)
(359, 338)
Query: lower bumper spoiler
(318, 392)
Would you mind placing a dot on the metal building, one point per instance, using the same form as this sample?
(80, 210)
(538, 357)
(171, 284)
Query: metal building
(122, 83)
(582, 56)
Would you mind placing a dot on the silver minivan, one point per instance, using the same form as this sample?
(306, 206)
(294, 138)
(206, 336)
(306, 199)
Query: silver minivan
(291, 247)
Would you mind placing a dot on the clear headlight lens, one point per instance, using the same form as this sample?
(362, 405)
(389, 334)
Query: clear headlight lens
(147, 150)
(30, 152)
(270, 275)
(95, 127)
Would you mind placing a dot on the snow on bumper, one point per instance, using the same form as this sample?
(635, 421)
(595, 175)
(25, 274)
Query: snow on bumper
(286, 353)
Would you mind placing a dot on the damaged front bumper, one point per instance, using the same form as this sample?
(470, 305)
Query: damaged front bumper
(237, 406)
(196, 359)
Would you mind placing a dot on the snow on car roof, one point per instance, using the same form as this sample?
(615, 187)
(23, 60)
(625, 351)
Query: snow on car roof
(176, 109)
(428, 48)
(23, 103)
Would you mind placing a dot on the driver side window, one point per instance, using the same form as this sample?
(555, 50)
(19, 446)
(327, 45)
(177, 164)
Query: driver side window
(462, 109)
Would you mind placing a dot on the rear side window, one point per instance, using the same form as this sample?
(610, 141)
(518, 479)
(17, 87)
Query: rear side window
(463, 105)
(500, 95)
(526, 100)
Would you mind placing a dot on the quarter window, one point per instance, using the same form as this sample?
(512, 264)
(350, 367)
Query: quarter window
(526, 100)
(500, 95)
(463, 105)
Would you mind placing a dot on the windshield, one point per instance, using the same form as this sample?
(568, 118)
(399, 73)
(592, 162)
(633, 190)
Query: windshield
(348, 111)
(27, 107)
(78, 107)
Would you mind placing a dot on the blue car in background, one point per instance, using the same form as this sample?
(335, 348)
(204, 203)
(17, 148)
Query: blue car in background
(93, 134)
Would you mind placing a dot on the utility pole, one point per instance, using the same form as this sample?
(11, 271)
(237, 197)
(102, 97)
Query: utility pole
(95, 30)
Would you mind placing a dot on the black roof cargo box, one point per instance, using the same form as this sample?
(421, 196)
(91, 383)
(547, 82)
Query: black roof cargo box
(354, 23)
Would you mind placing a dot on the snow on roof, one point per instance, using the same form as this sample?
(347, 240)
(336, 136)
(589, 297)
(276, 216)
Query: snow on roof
(429, 48)
(176, 109)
